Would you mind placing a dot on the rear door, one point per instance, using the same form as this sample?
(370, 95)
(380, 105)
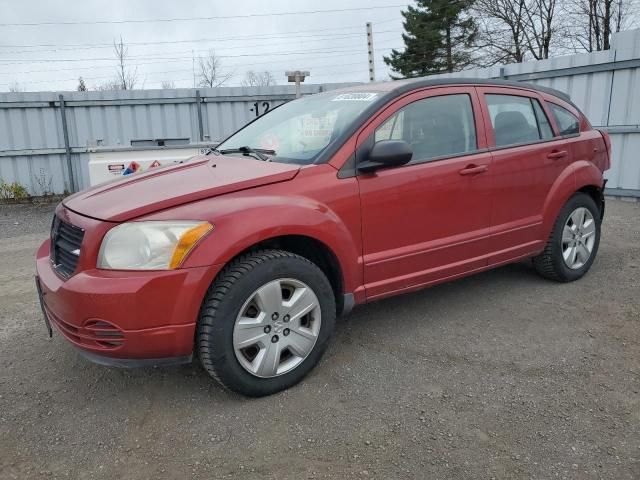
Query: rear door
(527, 160)
(427, 220)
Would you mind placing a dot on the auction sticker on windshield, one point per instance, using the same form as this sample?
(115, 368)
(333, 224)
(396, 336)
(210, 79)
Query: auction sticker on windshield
(354, 97)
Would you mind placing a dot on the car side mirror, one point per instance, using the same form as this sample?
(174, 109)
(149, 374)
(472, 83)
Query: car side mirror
(387, 153)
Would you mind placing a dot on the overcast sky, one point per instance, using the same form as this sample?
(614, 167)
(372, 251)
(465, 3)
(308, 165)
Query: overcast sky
(331, 45)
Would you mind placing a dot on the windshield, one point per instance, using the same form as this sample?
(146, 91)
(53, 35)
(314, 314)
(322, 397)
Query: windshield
(298, 131)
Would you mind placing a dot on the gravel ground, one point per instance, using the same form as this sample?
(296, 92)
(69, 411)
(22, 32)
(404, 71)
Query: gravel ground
(500, 375)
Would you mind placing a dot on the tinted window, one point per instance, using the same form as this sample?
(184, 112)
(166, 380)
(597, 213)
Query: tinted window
(517, 120)
(544, 126)
(434, 127)
(392, 128)
(567, 121)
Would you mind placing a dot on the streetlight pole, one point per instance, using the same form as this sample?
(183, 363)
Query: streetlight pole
(298, 77)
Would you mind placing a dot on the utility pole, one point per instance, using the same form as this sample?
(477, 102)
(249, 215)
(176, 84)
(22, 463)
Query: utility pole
(298, 77)
(193, 67)
(372, 68)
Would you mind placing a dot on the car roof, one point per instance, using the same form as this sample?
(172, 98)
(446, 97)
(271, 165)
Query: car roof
(395, 88)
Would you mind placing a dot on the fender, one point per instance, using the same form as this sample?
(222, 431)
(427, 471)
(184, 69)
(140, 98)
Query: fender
(243, 220)
(577, 175)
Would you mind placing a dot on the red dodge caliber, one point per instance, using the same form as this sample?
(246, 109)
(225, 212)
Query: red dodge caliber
(246, 255)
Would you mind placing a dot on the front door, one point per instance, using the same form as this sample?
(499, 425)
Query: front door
(428, 220)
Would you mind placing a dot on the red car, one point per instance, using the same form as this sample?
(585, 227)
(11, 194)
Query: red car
(245, 256)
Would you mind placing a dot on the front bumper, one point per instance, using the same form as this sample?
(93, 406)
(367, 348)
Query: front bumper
(125, 318)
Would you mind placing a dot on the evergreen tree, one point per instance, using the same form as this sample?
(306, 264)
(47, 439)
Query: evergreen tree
(82, 87)
(438, 38)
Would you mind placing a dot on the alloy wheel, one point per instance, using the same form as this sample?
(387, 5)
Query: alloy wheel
(578, 238)
(277, 328)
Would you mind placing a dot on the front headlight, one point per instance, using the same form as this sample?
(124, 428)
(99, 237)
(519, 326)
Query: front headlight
(154, 245)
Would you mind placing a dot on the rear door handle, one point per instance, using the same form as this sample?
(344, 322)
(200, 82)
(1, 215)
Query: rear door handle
(473, 169)
(557, 154)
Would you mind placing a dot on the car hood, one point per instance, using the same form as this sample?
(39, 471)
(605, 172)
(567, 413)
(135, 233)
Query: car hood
(166, 187)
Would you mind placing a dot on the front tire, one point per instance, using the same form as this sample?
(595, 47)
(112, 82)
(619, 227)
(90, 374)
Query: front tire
(574, 241)
(265, 322)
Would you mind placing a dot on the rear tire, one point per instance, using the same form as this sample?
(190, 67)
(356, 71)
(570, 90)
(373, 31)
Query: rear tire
(573, 242)
(244, 340)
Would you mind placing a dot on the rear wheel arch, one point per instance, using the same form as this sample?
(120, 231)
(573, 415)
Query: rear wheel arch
(580, 176)
(571, 233)
(597, 194)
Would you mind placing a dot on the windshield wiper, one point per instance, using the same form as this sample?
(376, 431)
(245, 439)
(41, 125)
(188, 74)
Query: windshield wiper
(257, 152)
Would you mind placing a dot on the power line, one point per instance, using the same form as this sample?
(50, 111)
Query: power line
(110, 59)
(217, 39)
(172, 61)
(190, 19)
(342, 36)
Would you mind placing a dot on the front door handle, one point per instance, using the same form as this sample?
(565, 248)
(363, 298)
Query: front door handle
(473, 169)
(555, 155)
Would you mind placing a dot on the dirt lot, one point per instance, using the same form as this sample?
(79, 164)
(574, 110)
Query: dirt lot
(501, 375)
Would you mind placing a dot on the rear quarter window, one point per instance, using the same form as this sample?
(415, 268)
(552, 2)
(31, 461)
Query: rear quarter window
(568, 123)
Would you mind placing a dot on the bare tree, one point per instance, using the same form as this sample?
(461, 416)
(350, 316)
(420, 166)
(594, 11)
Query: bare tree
(82, 87)
(167, 85)
(15, 87)
(501, 30)
(592, 22)
(258, 79)
(127, 78)
(210, 74)
(514, 30)
(540, 27)
(109, 85)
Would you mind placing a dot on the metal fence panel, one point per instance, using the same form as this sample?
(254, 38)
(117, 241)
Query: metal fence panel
(605, 85)
(32, 147)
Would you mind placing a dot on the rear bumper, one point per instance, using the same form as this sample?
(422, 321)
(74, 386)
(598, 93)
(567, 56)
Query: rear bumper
(125, 318)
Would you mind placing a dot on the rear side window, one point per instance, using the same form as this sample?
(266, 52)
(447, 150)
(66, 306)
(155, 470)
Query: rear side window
(434, 127)
(543, 122)
(517, 120)
(567, 121)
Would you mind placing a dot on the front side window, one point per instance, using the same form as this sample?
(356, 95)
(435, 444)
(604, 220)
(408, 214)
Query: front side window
(517, 120)
(567, 121)
(434, 127)
(300, 130)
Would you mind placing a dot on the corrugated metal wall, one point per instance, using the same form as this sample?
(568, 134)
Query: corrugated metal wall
(605, 85)
(32, 144)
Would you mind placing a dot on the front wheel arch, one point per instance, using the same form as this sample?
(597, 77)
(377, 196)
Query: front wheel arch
(317, 252)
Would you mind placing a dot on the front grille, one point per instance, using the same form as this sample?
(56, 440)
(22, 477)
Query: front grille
(66, 240)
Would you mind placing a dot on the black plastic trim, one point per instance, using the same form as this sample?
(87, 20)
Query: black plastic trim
(431, 160)
(523, 144)
(133, 362)
(348, 170)
(348, 303)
